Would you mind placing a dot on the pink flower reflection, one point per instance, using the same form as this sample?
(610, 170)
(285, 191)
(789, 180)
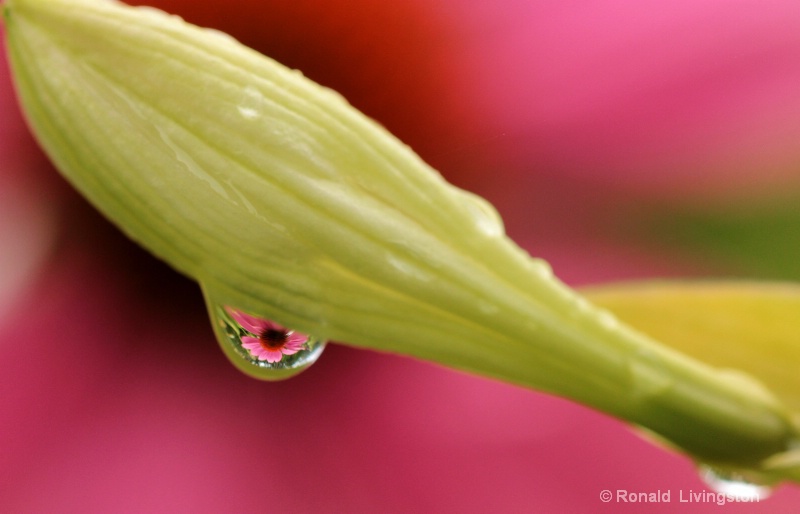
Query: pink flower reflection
(272, 341)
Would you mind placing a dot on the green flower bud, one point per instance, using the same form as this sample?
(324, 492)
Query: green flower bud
(283, 201)
(740, 327)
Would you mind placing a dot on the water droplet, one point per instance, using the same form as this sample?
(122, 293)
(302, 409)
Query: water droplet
(262, 348)
(157, 14)
(221, 36)
(408, 268)
(541, 268)
(742, 485)
(607, 320)
(250, 106)
(486, 218)
(581, 307)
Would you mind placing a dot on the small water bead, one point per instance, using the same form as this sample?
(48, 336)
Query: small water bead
(541, 268)
(262, 348)
(222, 36)
(579, 306)
(157, 14)
(408, 268)
(251, 104)
(735, 484)
(486, 218)
(607, 320)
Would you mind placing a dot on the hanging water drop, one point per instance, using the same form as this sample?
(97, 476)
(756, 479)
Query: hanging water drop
(740, 485)
(263, 348)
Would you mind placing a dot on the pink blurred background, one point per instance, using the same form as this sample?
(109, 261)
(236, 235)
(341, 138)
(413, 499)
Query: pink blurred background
(568, 116)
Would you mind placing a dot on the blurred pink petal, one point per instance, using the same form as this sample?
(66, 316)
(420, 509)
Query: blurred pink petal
(27, 234)
(27, 218)
(662, 97)
(271, 355)
(250, 342)
(250, 323)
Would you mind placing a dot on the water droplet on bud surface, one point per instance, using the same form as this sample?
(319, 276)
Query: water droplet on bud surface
(262, 348)
(252, 100)
(735, 484)
(486, 218)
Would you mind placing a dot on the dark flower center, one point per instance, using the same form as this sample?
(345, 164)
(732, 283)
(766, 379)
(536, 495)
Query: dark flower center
(273, 339)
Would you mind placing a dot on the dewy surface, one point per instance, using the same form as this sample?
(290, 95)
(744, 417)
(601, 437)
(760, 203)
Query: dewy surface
(286, 203)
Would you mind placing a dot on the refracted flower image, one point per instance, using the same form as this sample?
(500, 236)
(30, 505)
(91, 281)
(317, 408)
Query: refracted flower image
(270, 341)
(260, 347)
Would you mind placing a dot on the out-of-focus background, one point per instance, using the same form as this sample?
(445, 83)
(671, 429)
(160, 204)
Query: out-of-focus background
(619, 140)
